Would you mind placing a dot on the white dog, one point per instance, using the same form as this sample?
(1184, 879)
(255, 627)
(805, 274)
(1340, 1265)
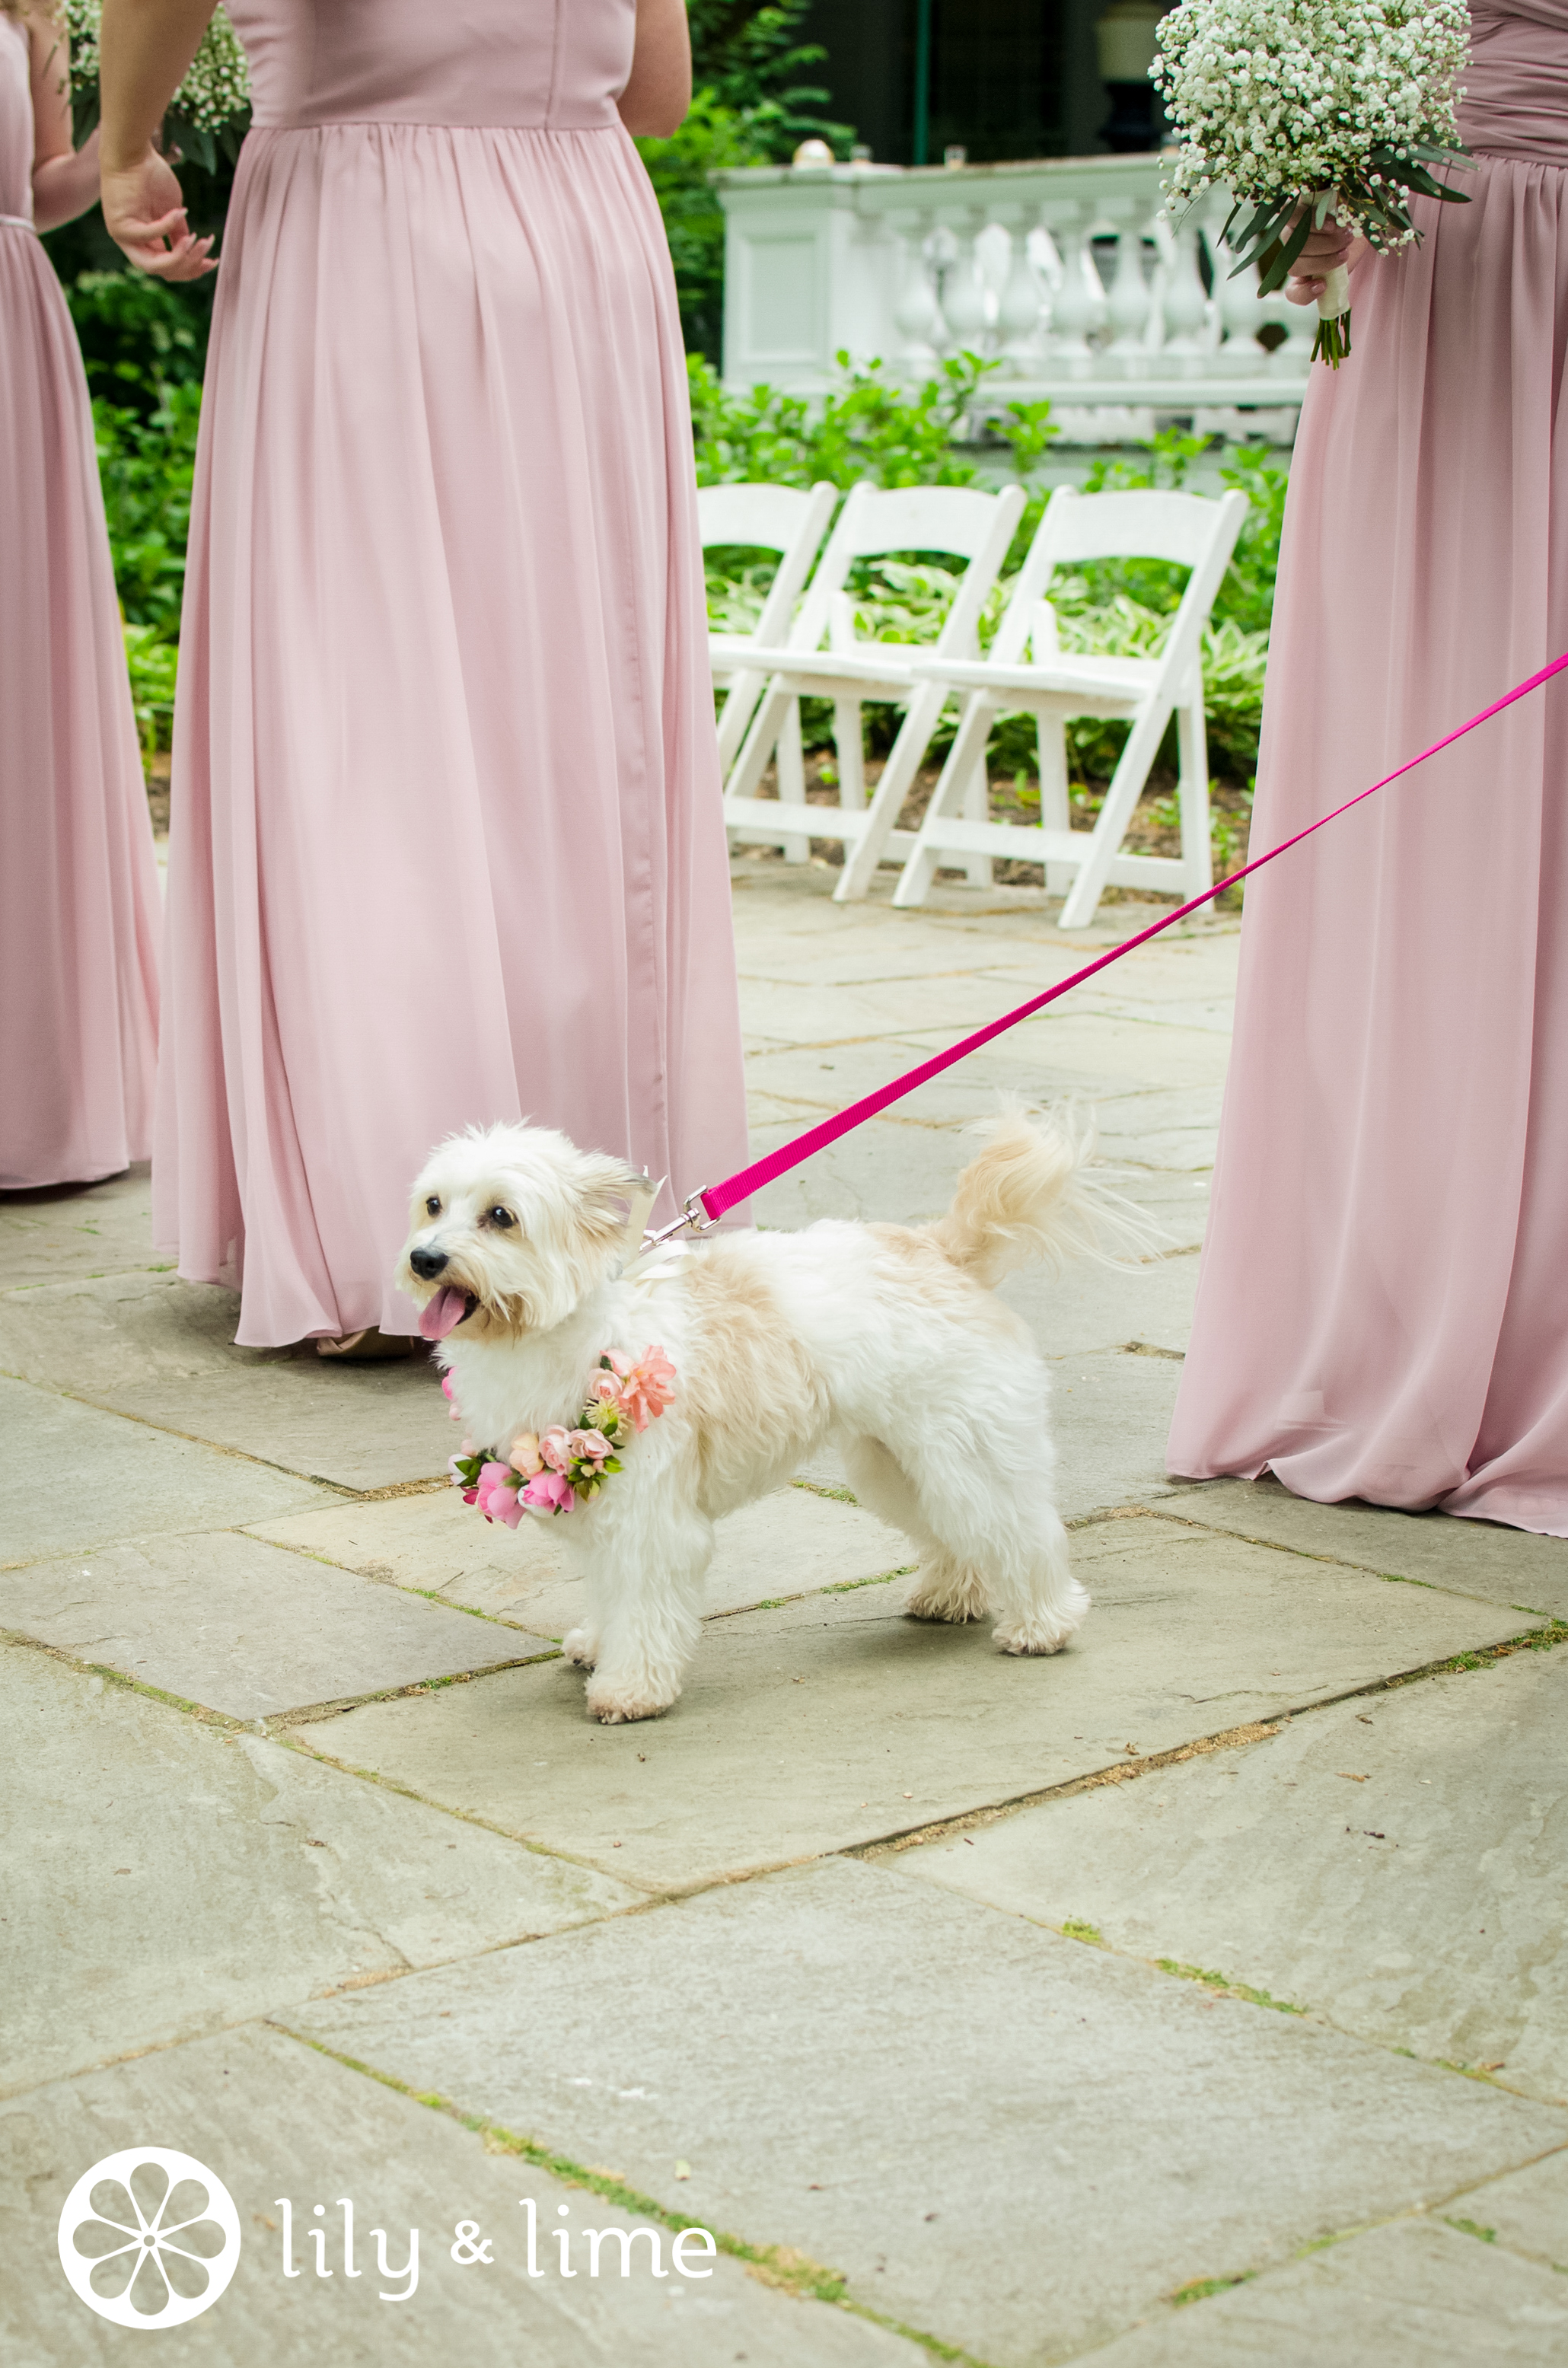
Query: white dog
(885, 1338)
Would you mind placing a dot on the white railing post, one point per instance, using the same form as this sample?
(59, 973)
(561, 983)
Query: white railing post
(916, 316)
(1019, 306)
(883, 261)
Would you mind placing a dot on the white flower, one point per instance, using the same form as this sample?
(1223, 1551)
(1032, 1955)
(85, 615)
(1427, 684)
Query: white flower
(1284, 99)
(216, 89)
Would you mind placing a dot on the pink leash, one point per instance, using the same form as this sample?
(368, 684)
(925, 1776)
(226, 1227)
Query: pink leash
(706, 1207)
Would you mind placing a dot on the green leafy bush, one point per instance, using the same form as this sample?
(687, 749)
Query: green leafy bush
(152, 665)
(146, 461)
(869, 426)
(138, 335)
(750, 106)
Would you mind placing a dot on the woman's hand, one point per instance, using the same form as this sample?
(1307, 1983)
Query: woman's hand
(145, 48)
(1324, 249)
(144, 214)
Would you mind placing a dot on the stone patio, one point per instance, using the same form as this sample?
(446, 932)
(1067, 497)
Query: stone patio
(1197, 1997)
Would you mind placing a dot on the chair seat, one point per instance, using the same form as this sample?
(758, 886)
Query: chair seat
(883, 666)
(1065, 677)
(730, 649)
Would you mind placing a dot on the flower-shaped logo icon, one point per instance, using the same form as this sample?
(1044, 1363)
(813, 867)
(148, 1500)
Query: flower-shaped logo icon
(149, 2238)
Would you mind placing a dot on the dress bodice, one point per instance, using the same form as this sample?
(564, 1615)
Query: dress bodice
(16, 121)
(550, 64)
(1516, 101)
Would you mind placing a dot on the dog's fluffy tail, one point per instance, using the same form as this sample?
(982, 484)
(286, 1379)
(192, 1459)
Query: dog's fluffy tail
(1027, 1201)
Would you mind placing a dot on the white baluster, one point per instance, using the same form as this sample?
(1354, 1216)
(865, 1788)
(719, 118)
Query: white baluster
(964, 307)
(1186, 306)
(1077, 306)
(916, 316)
(1299, 322)
(1242, 311)
(1021, 303)
(1127, 306)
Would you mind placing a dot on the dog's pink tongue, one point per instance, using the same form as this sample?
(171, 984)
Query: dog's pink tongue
(444, 1313)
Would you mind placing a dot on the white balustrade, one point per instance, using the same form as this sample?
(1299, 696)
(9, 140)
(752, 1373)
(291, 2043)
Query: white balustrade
(1066, 274)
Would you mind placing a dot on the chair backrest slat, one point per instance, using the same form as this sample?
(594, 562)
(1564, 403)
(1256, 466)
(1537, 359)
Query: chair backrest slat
(1184, 529)
(876, 519)
(769, 518)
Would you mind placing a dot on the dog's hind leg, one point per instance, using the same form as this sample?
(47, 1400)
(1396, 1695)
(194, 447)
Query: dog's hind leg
(946, 1586)
(646, 1577)
(1038, 1602)
(1003, 1542)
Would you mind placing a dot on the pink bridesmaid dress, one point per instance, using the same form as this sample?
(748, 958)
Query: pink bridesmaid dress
(79, 916)
(447, 844)
(1382, 1310)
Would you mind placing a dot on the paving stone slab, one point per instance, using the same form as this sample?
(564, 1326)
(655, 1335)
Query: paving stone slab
(56, 1236)
(836, 1720)
(792, 1543)
(273, 2120)
(780, 1011)
(1071, 1044)
(1418, 2293)
(1111, 1415)
(75, 1478)
(1011, 2142)
(164, 1879)
(162, 1349)
(1527, 2210)
(1089, 1306)
(886, 1172)
(246, 1628)
(1479, 1557)
(1395, 1864)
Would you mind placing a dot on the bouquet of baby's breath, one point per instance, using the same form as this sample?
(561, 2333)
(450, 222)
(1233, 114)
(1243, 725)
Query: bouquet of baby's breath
(211, 104)
(1307, 110)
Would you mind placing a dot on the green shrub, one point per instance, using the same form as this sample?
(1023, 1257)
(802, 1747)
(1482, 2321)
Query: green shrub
(869, 426)
(152, 665)
(750, 106)
(146, 461)
(138, 335)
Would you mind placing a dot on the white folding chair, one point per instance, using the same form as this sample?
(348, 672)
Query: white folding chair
(1060, 684)
(977, 526)
(764, 518)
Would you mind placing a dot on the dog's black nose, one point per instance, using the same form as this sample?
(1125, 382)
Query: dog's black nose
(428, 1263)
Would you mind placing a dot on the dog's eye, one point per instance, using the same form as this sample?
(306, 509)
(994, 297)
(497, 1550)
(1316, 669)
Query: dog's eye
(501, 1217)
(433, 1205)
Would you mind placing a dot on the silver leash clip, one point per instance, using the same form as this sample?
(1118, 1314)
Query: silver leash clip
(692, 1213)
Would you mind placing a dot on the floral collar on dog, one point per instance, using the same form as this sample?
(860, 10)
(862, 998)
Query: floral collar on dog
(556, 1470)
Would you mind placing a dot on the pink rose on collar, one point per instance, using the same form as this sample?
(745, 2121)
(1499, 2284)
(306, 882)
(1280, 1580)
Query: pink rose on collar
(549, 1492)
(645, 1386)
(497, 1498)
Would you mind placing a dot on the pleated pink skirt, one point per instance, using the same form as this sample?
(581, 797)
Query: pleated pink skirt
(447, 844)
(1383, 1304)
(79, 918)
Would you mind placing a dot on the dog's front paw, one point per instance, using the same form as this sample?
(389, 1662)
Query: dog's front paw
(1045, 1631)
(946, 1593)
(580, 1645)
(617, 1701)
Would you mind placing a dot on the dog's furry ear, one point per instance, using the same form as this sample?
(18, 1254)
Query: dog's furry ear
(612, 1195)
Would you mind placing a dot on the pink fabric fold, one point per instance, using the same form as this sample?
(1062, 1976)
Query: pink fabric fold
(448, 845)
(1381, 1310)
(79, 913)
